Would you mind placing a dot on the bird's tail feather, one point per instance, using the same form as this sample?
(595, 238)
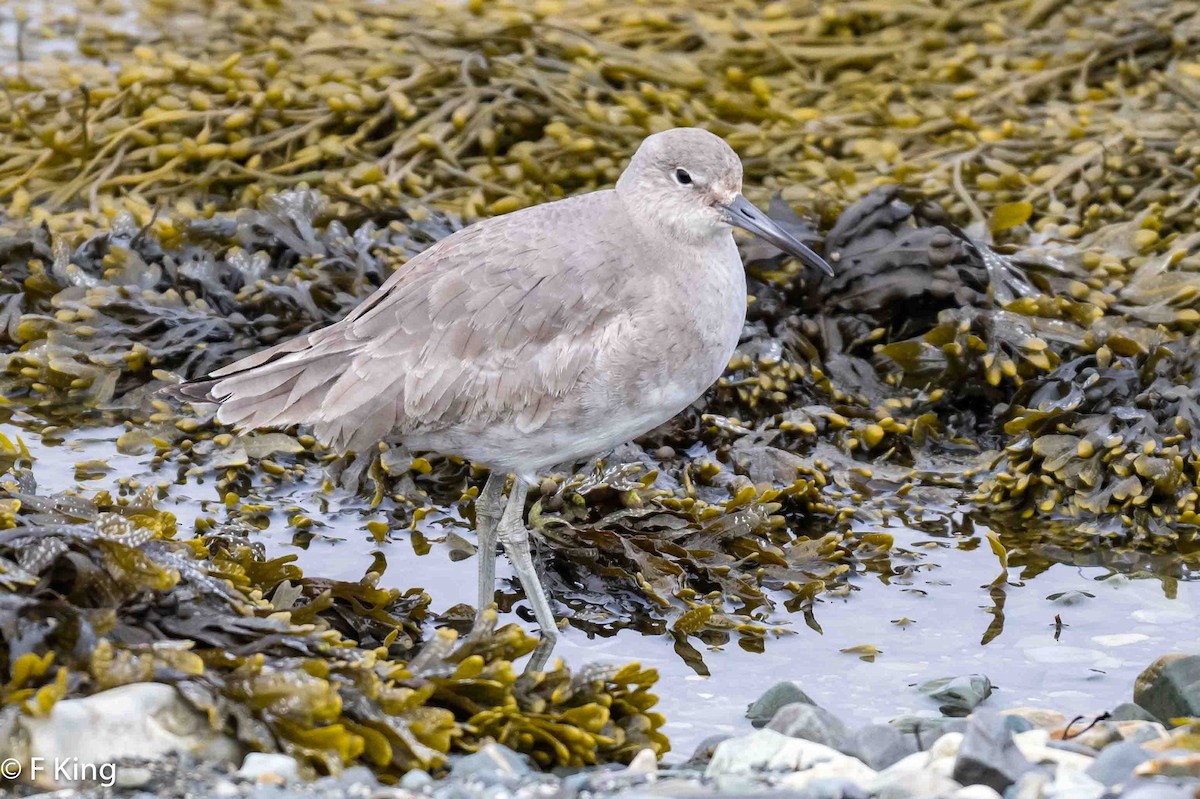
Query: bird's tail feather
(260, 390)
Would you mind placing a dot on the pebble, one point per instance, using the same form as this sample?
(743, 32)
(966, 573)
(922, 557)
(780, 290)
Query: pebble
(1115, 764)
(812, 723)
(761, 711)
(879, 745)
(1128, 711)
(270, 769)
(988, 754)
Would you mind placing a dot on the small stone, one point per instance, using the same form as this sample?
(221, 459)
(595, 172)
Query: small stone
(927, 729)
(879, 745)
(1040, 718)
(1170, 687)
(958, 696)
(1140, 732)
(988, 755)
(270, 768)
(133, 777)
(812, 723)
(766, 706)
(664, 453)
(911, 778)
(704, 750)
(415, 780)
(1128, 711)
(493, 762)
(644, 762)
(1115, 764)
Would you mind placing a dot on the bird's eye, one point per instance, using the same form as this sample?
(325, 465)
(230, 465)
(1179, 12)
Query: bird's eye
(683, 178)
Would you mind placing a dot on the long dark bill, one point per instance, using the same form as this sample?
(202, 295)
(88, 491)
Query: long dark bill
(742, 213)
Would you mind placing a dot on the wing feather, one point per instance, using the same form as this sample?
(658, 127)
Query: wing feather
(495, 323)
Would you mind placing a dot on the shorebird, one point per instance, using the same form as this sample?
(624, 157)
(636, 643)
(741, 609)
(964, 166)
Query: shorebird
(532, 339)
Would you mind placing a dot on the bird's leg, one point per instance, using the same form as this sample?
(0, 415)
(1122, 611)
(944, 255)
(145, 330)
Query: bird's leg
(515, 539)
(488, 507)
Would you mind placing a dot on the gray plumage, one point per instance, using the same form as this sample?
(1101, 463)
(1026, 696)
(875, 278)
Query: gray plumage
(543, 336)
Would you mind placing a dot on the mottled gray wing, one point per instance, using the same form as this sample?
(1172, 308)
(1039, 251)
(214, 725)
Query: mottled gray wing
(494, 323)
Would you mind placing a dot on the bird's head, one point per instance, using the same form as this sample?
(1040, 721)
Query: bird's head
(689, 182)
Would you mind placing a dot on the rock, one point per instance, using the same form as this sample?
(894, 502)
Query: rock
(927, 729)
(812, 723)
(879, 745)
(1141, 731)
(911, 778)
(1096, 736)
(270, 769)
(1170, 687)
(492, 763)
(771, 750)
(704, 750)
(644, 763)
(958, 696)
(837, 771)
(1128, 711)
(1173, 763)
(138, 721)
(1040, 718)
(1035, 747)
(1017, 724)
(415, 780)
(763, 709)
(133, 777)
(988, 755)
(1115, 764)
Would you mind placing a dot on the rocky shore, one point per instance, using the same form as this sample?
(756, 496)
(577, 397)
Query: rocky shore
(1147, 748)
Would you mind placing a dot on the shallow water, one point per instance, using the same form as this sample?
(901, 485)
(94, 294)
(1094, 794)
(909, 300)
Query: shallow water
(1112, 625)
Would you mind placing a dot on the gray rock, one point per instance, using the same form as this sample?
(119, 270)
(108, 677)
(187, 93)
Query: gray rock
(492, 763)
(1115, 764)
(879, 745)
(1170, 687)
(1128, 711)
(988, 756)
(958, 696)
(704, 750)
(925, 729)
(812, 723)
(1017, 724)
(763, 709)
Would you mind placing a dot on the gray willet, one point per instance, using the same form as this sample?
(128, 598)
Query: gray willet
(527, 340)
